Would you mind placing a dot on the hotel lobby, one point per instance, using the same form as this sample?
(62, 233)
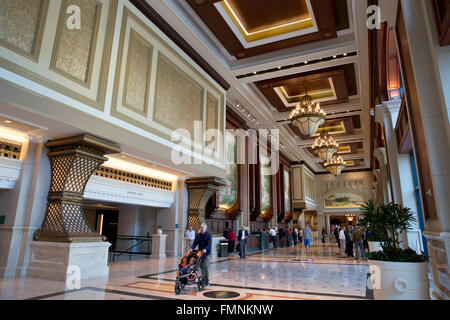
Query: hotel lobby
(313, 133)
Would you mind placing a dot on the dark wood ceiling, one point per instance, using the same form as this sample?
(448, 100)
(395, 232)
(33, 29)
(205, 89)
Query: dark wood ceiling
(258, 14)
(343, 78)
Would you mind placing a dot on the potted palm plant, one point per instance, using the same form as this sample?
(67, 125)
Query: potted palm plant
(396, 273)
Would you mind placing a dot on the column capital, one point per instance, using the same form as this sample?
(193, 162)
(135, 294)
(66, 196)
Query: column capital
(73, 160)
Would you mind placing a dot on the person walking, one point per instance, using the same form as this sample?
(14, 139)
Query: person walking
(243, 237)
(295, 236)
(324, 235)
(358, 237)
(189, 237)
(342, 242)
(336, 235)
(288, 237)
(300, 236)
(281, 236)
(273, 237)
(366, 240)
(307, 239)
(231, 240)
(349, 242)
(203, 240)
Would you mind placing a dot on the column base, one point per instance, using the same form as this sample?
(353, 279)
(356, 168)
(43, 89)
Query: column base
(51, 260)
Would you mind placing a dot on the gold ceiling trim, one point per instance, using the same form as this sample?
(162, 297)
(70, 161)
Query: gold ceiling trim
(268, 32)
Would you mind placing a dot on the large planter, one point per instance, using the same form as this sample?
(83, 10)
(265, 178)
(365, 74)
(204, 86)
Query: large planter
(375, 246)
(399, 280)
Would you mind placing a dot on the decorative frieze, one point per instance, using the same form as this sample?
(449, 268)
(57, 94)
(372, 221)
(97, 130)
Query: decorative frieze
(10, 150)
(129, 177)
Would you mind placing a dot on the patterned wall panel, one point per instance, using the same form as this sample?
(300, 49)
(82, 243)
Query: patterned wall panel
(212, 112)
(178, 97)
(21, 24)
(73, 49)
(137, 77)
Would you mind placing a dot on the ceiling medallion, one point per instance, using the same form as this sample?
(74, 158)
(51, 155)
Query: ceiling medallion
(335, 165)
(325, 146)
(307, 116)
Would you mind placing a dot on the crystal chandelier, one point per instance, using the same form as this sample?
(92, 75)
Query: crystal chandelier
(325, 146)
(335, 165)
(307, 116)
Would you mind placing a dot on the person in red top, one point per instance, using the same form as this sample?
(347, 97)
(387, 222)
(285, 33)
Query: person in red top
(231, 240)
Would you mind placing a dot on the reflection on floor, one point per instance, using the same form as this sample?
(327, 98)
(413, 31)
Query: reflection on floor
(283, 273)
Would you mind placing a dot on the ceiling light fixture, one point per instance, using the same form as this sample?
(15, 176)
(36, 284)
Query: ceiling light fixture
(307, 116)
(325, 146)
(335, 165)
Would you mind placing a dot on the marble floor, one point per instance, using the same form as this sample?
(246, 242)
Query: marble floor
(283, 273)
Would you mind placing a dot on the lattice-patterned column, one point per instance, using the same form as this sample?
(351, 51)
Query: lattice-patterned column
(200, 190)
(73, 160)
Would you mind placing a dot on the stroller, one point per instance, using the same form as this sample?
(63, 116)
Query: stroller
(188, 273)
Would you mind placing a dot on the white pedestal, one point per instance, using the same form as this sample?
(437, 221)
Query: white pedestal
(53, 260)
(158, 246)
(215, 246)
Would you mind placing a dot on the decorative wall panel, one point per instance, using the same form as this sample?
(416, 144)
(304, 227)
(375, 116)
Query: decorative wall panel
(21, 24)
(287, 192)
(74, 49)
(79, 66)
(228, 194)
(137, 78)
(212, 112)
(266, 189)
(179, 94)
(178, 98)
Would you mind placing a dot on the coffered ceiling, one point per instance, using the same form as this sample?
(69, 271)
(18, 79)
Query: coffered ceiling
(268, 50)
(252, 27)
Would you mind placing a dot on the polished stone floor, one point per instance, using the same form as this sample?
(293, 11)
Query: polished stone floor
(283, 273)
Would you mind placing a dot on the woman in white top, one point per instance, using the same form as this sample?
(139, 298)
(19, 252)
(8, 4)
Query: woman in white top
(189, 237)
(342, 240)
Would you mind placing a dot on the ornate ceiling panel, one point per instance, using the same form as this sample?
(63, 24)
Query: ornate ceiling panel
(253, 27)
(328, 86)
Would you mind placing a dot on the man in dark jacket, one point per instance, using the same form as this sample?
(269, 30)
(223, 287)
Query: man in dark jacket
(242, 238)
(203, 240)
(336, 235)
(281, 236)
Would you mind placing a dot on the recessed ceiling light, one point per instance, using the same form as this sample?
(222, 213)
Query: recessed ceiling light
(254, 72)
(334, 57)
(8, 121)
(345, 54)
(124, 156)
(306, 62)
(279, 68)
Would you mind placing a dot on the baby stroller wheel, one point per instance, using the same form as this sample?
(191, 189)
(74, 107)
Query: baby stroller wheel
(178, 288)
(200, 284)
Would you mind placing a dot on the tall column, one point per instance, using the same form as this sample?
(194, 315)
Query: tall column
(24, 208)
(65, 239)
(425, 65)
(401, 172)
(173, 222)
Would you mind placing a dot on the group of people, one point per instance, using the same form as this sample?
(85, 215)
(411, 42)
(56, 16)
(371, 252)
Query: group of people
(351, 240)
(242, 239)
(289, 237)
(202, 241)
